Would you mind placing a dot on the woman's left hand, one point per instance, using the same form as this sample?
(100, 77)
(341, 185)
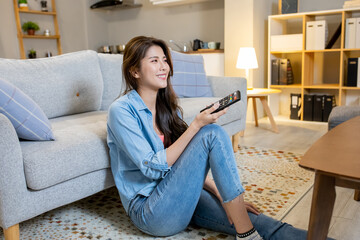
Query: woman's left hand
(251, 208)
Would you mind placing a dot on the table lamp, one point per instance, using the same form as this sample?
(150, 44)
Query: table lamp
(247, 60)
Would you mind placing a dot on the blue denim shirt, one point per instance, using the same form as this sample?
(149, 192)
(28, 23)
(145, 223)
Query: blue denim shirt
(138, 157)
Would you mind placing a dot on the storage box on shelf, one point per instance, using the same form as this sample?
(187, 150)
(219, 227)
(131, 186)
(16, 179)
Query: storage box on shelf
(318, 68)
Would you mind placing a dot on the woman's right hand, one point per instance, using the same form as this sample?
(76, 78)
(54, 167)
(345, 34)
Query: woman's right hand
(205, 117)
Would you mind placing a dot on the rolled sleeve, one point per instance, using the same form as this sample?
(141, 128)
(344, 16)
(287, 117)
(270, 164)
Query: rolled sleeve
(126, 129)
(157, 162)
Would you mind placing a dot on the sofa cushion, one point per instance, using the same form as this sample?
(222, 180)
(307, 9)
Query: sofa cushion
(26, 116)
(61, 85)
(189, 79)
(80, 148)
(111, 69)
(192, 106)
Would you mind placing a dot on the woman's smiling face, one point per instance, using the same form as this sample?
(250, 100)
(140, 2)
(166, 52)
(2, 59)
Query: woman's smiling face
(154, 69)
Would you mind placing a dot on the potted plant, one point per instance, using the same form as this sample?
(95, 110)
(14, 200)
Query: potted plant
(30, 27)
(32, 53)
(23, 5)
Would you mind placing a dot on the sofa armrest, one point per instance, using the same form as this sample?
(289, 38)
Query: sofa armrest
(12, 177)
(341, 114)
(223, 86)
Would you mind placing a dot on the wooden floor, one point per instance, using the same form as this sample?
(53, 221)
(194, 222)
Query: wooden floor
(297, 136)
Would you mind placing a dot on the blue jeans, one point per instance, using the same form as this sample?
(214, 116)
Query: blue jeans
(180, 198)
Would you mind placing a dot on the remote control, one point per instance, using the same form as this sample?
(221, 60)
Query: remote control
(226, 101)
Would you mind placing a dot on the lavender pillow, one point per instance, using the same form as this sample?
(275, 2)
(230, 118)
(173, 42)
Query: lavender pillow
(29, 121)
(189, 79)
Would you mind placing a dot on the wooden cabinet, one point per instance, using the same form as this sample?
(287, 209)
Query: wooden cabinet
(21, 35)
(315, 71)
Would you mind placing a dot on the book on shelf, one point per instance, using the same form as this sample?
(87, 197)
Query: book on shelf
(281, 72)
(353, 72)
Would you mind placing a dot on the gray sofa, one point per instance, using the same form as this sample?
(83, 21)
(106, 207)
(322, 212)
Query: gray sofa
(341, 114)
(74, 90)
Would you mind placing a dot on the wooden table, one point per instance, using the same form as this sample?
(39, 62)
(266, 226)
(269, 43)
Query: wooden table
(262, 93)
(335, 157)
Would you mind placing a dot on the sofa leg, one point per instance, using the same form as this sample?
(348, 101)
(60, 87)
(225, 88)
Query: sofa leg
(235, 141)
(12, 233)
(357, 195)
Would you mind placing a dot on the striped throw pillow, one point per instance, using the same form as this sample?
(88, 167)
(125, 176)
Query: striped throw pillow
(29, 121)
(189, 79)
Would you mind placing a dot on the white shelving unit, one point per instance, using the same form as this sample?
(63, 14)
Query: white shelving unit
(315, 71)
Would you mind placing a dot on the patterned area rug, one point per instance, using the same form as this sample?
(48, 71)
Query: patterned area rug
(273, 180)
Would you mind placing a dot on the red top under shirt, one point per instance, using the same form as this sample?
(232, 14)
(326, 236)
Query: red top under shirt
(161, 137)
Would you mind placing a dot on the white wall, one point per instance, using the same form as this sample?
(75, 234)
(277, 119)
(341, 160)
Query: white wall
(97, 26)
(185, 23)
(82, 28)
(78, 27)
(239, 32)
(319, 5)
(246, 26)
(9, 46)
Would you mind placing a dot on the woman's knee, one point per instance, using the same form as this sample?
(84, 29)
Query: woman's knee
(213, 130)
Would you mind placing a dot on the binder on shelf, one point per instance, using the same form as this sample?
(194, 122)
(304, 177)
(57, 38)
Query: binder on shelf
(275, 71)
(316, 35)
(352, 74)
(350, 33)
(318, 108)
(310, 35)
(308, 107)
(329, 104)
(320, 34)
(289, 73)
(357, 82)
(357, 38)
(286, 75)
(295, 106)
(283, 72)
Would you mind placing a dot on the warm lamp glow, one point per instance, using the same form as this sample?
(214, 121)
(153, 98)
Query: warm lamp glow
(247, 60)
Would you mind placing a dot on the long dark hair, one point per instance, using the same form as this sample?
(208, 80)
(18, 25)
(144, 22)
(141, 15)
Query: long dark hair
(167, 108)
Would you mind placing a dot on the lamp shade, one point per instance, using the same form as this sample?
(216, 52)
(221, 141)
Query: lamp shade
(247, 58)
